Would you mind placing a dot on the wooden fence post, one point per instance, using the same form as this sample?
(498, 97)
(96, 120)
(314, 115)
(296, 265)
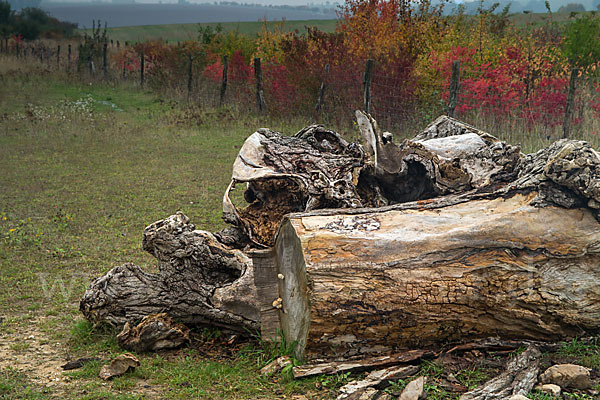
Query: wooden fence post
(223, 81)
(58, 56)
(79, 60)
(105, 60)
(367, 86)
(91, 60)
(321, 98)
(190, 75)
(454, 86)
(69, 57)
(570, 100)
(260, 97)
(142, 68)
(41, 55)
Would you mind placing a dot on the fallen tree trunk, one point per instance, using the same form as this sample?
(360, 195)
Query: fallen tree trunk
(465, 237)
(427, 272)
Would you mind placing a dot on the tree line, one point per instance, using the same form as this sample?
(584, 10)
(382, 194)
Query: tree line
(32, 23)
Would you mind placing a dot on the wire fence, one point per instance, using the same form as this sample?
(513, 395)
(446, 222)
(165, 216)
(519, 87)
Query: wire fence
(388, 92)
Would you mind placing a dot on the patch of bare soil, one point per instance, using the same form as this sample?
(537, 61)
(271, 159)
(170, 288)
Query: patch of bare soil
(30, 351)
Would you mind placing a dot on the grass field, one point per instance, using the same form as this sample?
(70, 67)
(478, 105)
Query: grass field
(84, 167)
(178, 32)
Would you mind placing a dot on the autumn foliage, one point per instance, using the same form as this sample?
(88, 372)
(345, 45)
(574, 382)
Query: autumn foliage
(507, 71)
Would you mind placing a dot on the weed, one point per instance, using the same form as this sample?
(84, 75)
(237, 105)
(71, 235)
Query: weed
(432, 369)
(20, 346)
(335, 381)
(588, 353)
(396, 387)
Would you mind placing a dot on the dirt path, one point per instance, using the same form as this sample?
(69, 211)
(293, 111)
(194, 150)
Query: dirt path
(30, 352)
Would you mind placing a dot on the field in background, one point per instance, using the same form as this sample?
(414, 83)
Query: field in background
(170, 13)
(179, 32)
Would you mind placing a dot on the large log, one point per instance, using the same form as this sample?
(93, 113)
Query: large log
(516, 256)
(428, 272)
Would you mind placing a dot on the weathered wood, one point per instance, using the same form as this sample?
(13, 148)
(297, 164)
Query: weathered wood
(357, 365)
(519, 378)
(201, 282)
(464, 224)
(322, 88)
(570, 101)
(155, 332)
(383, 280)
(421, 272)
(367, 86)
(223, 81)
(142, 66)
(260, 94)
(377, 379)
(315, 168)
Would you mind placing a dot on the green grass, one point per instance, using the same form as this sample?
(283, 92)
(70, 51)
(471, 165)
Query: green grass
(80, 180)
(588, 353)
(84, 167)
(179, 32)
(16, 385)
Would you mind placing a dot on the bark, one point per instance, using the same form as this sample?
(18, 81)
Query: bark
(315, 168)
(425, 273)
(357, 365)
(201, 282)
(377, 379)
(155, 332)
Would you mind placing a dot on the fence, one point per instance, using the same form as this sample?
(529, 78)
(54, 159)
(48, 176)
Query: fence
(386, 91)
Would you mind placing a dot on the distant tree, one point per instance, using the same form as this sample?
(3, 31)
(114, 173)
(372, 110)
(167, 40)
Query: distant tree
(581, 47)
(20, 4)
(571, 8)
(31, 23)
(7, 19)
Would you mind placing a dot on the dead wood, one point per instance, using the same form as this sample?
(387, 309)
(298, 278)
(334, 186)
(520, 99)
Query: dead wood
(155, 332)
(376, 379)
(315, 168)
(201, 282)
(357, 365)
(519, 378)
(119, 366)
(78, 363)
(451, 236)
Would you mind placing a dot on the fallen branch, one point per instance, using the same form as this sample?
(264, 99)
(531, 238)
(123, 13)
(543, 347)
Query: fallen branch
(519, 378)
(366, 364)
